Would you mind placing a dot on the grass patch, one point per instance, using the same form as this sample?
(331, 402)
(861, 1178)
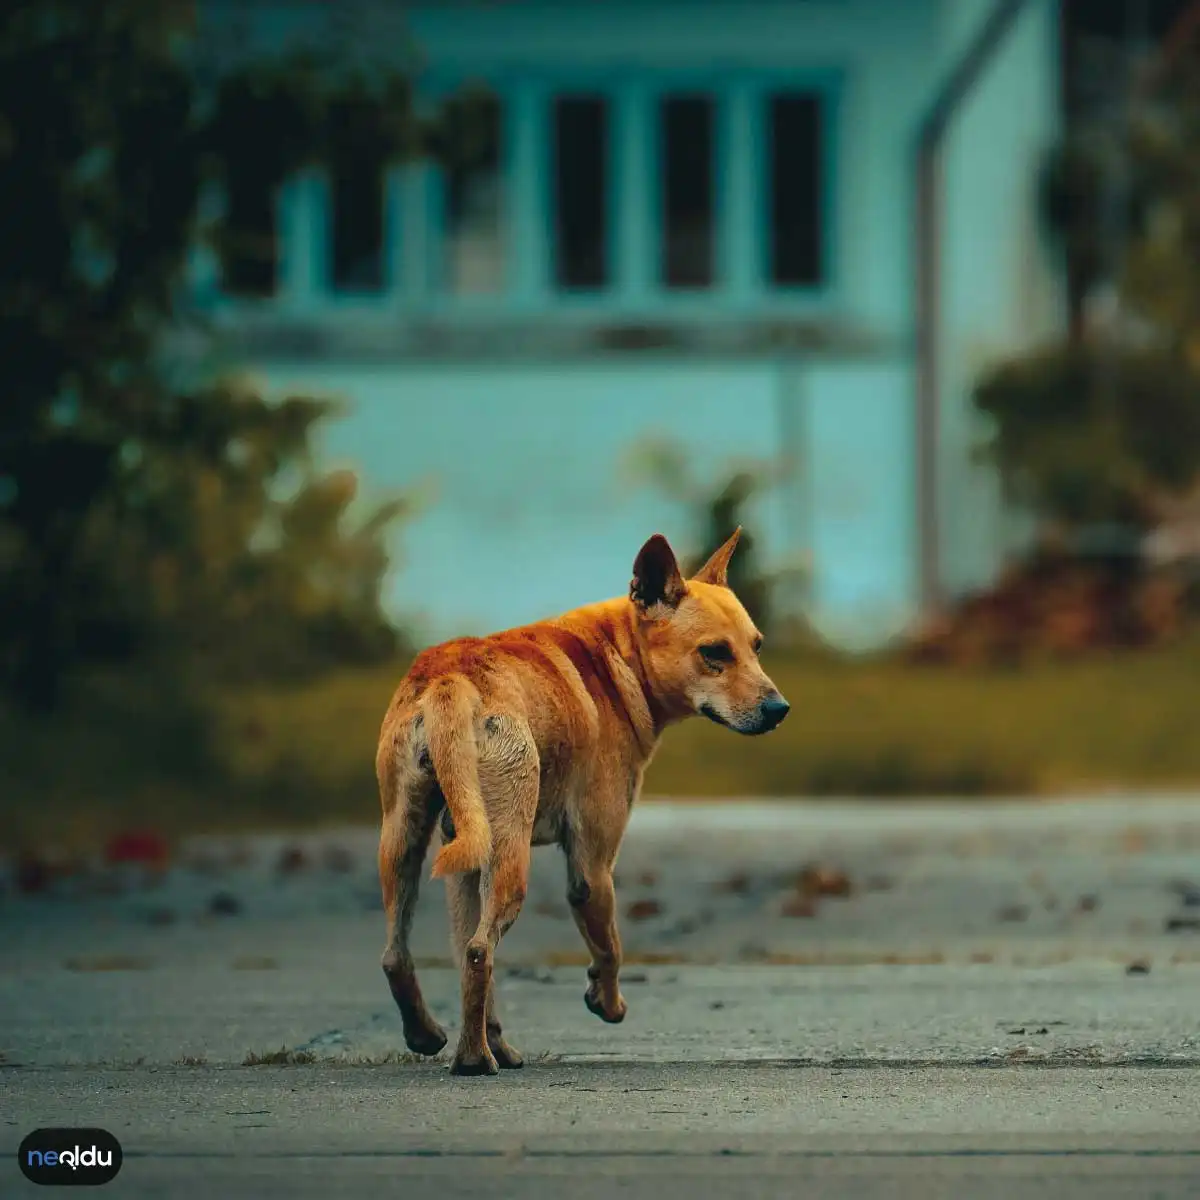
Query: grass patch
(283, 1057)
(873, 728)
(389, 1058)
(303, 756)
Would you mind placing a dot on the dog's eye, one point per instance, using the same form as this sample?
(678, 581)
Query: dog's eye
(717, 653)
(757, 644)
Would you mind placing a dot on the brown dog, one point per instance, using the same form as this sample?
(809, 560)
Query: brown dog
(540, 735)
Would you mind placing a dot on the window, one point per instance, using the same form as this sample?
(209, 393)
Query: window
(687, 125)
(474, 226)
(618, 191)
(356, 200)
(580, 142)
(249, 246)
(794, 233)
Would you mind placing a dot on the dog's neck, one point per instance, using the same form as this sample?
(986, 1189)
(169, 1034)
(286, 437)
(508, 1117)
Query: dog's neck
(610, 628)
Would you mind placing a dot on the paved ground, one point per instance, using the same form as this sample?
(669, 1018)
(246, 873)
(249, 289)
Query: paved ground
(640, 1129)
(835, 1001)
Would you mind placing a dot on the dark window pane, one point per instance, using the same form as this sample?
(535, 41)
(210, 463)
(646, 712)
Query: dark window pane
(356, 198)
(580, 192)
(688, 247)
(794, 138)
(474, 247)
(249, 248)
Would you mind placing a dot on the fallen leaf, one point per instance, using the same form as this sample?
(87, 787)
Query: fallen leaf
(799, 906)
(817, 880)
(291, 860)
(144, 847)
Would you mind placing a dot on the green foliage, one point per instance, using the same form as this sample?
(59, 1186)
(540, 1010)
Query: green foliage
(250, 562)
(1121, 196)
(1105, 429)
(1094, 434)
(136, 517)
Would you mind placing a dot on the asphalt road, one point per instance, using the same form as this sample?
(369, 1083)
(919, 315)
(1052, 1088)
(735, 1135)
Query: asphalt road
(641, 1130)
(900, 1001)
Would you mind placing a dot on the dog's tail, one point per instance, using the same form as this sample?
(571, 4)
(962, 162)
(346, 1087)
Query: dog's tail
(449, 712)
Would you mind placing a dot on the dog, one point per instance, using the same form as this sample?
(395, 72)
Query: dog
(540, 735)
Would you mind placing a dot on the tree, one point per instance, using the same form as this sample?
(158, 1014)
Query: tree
(1105, 429)
(1094, 435)
(132, 510)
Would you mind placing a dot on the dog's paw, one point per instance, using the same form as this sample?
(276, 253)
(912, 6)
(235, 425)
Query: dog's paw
(614, 1013)
(475, 1064)
(507, 1056)
(425, 1039)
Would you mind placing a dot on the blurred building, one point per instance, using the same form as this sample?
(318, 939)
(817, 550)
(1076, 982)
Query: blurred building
(772, 230)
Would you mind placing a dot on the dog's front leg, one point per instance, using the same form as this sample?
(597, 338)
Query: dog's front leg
(594, 906)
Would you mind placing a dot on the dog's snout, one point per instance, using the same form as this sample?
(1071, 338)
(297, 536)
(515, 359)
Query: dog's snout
(773, 709)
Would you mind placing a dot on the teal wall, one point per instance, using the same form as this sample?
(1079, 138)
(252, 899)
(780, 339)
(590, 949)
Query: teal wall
(530, 514)
(530, 511)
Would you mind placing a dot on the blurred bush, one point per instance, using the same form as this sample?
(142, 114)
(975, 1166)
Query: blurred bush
(1094, 434)
(1106, 428)
(1098, 437)
(1100, 441)
(141, 521)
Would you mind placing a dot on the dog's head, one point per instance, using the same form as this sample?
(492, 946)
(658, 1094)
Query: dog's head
(699, 645)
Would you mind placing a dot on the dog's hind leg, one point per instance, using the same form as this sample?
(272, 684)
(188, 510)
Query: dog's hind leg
(508, 775)
(462, 894)
(404, 840)
(502, 892)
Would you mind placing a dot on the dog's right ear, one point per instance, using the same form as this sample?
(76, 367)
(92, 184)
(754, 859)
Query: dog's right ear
(656, 576)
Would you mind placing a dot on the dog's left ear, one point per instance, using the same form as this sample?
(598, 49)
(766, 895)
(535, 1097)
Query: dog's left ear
(715, 571)
(656, 575)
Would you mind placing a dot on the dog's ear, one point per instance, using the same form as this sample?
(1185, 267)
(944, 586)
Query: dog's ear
(656, 575)
(716, 570)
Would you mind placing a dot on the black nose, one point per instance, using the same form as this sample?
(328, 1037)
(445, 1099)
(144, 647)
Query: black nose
(772, 710)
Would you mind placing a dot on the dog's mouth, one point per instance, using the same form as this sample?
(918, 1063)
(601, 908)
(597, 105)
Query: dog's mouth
(716, 718)
(755, 729)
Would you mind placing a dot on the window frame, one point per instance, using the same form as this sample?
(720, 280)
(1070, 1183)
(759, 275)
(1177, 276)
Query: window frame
(647, 297)
(414, 205)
